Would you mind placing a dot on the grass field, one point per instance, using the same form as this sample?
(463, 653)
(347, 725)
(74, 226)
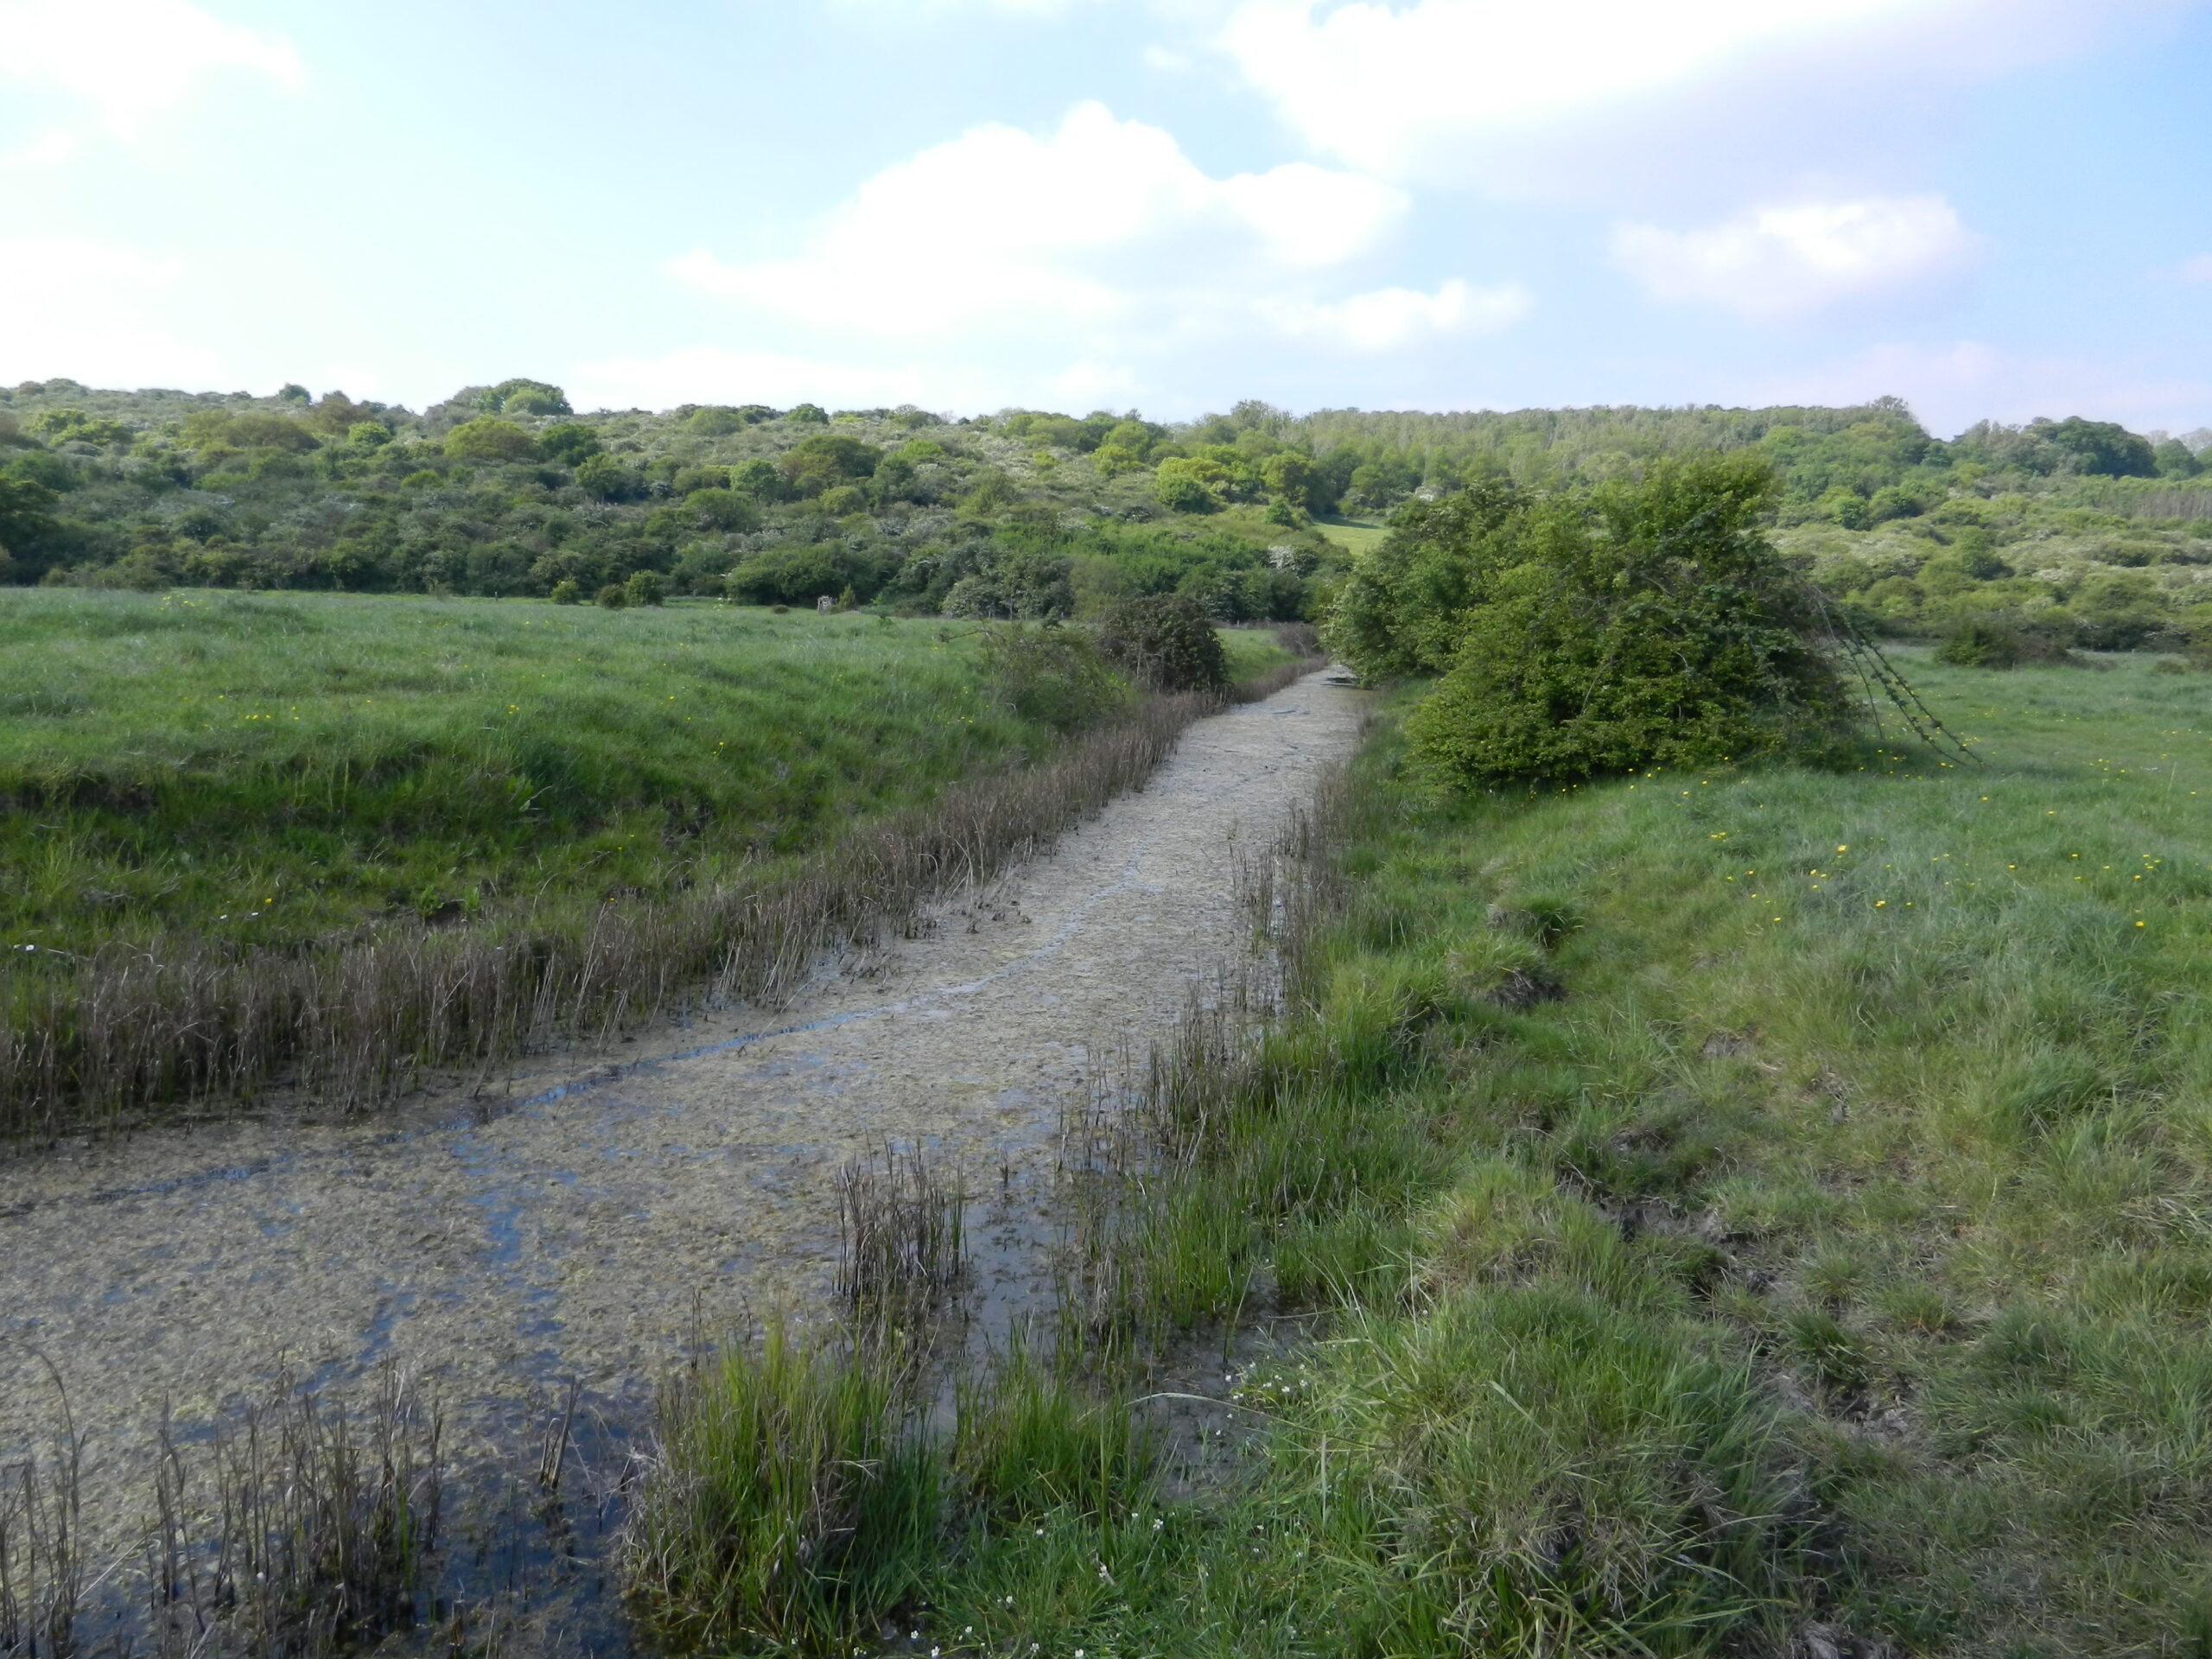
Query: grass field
(242, 834)
(1356, 535)
(269, 769)
(1745, 1212)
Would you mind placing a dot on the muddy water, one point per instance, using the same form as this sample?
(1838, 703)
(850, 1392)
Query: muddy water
(581, 1226)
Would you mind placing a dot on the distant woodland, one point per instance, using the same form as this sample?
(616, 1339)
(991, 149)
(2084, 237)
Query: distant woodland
(2074, 531)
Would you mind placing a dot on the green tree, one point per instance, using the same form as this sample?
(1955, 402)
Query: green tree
(520, 396)
(1166, 641)
(26, 527)
(825, 461)
(1403, 608)
(488, 438)
(1288, 475)
(2176, 460)
(1114, 459)
(567, 444)
(645, 587)
(1183, 485)
(280, 433)
(2099, 447)
(605, 478)
(723, 509)
(337, 415)
(1599, 630)
(759, 479)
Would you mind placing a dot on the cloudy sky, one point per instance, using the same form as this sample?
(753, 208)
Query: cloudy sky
(1990, 207)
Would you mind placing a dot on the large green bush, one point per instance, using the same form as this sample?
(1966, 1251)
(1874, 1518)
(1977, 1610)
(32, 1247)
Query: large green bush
(1590, 631)
(489, 439)
(1166, 641)
(1051, 675)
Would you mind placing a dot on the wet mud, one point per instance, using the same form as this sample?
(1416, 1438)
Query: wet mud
(595, 1215)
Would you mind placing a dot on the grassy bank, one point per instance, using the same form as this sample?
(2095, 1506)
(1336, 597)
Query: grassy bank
(268, 768)
(334, 839)
(1743, 1212)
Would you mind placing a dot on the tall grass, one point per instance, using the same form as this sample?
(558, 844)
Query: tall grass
(187, 1021)
(1811, 1261)
(792, 1502)
(301, 1531)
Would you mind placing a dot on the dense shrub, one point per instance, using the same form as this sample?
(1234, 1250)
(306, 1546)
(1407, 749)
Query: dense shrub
(489, 439)
(1051, 675)
(794, 576)
(1996, 642)
(1597, 630)
(1166, 641)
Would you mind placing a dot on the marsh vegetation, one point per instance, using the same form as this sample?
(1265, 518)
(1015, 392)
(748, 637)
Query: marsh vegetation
(325, 845)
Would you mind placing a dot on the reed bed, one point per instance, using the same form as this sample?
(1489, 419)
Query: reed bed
(903, 1237)
(302, 1531)
(132, 1031)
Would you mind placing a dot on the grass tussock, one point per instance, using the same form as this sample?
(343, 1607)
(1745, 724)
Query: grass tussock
(792, 1503)
(902, 1227)
(193, 1022)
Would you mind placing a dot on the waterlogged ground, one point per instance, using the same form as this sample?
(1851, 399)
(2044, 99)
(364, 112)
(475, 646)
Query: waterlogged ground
(589, 1222)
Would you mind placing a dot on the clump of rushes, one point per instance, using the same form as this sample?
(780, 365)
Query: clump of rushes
(903, 1251)
(1029, 1441)
(792, 1502)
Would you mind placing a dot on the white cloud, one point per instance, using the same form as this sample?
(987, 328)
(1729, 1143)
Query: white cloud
(1513, 95)
(90, 311)
(707, 374)
(1388, 317)
(1379, 86)
(2198, 270)
(132, 59)
(1002, 226)
(1779, 261)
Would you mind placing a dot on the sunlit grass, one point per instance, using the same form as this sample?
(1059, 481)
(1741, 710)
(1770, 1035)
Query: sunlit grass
(1831, 1252)
(271, 768)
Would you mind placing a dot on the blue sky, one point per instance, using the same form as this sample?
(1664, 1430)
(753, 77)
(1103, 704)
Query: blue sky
(1990, 207)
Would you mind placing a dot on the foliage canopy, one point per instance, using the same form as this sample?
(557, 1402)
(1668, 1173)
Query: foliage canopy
(1595, 630)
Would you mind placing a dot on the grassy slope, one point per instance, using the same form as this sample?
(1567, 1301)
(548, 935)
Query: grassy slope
(270, 768)
(302, 762)
(1354, 535)
(1835, 1250)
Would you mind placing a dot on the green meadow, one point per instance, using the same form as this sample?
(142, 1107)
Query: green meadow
(271, 768)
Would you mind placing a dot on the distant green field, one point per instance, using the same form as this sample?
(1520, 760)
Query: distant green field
(270, 769)
(1356, 535)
